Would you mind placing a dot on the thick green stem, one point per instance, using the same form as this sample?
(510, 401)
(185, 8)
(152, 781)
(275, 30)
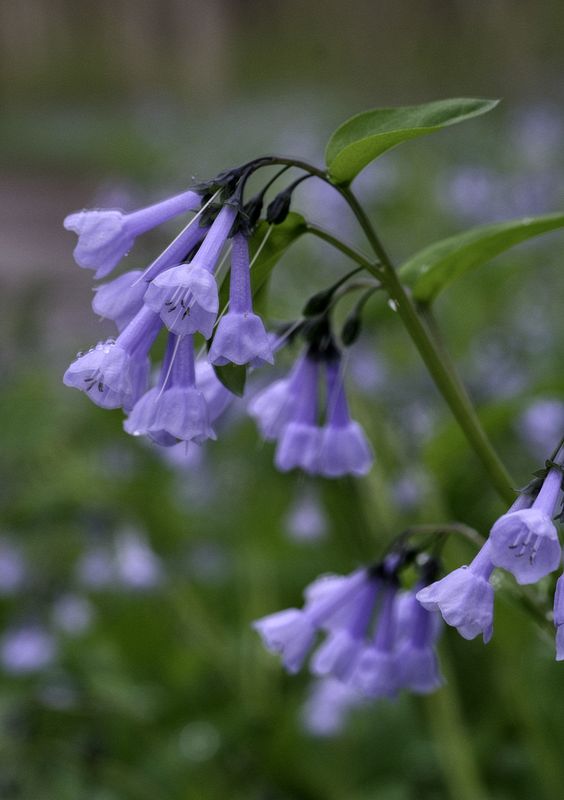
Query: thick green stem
(441, 371)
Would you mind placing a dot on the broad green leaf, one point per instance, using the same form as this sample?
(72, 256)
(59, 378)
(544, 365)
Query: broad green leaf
(233, 377)
(364, 137)
(433, 268)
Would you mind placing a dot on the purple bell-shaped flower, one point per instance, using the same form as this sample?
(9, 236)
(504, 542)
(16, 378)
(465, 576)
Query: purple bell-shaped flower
(106, 235)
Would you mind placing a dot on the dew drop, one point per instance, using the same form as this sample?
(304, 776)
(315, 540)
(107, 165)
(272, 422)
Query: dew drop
(393, 305)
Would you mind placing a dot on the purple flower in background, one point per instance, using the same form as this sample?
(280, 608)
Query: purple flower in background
(176, 409)
(105, 236)
(417, 660)
(465, 597)
(299, 440)
(344, 448)
(559, 618)
(186, 295)
(329, 701)
(27, 649)
(121, 299)
(306, 520)
(72, 614)
(376, 672)
(273, 407)
(115, 373)
(13, 570)
(292, 632)
(137, 565)
(525, 541)
(240, 337)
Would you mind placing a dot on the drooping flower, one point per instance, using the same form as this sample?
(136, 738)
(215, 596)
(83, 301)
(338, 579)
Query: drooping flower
(376, 671)
(175, 410)
(217, 396)
(465, 597)
(325, 710)
(525, 541)
(240, 337)
(299, 440)
(273, 407)
(417, 630)
(121, 299)
(115, 373)
(292, 632)
(344, 448)
(106, 235)
(186, 295)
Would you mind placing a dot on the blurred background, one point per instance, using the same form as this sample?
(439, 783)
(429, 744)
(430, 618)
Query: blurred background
(128, 579)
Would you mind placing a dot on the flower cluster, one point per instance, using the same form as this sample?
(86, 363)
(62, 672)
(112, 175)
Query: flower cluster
(524, 541)
(378, 638)
(288, 412)
(178, 292)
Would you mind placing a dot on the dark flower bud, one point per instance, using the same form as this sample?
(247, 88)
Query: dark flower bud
(279, 208)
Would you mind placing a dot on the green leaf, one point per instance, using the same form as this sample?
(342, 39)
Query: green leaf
(433, 268)
(233, 377)
(279, 239)
(364, 137)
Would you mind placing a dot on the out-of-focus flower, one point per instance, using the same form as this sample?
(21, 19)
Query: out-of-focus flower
(327, 706)
(28, 649)
(137, 565)
(72, 614)
(12, 568)
(306, 520)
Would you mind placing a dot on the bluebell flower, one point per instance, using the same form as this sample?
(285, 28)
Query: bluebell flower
(114, 374)
(525, 542)
(218, 397)
(376, 672)
(240, 337)
(186, 295)
(344, 448)
(292, 632)
(175, 410)
(121, 299)
(465, 597)
(106, 235)
(273, 407)
(299, 440)
(417, 633)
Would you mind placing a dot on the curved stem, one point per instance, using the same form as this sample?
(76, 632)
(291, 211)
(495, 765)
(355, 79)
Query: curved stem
(353, 254)
(443, 374)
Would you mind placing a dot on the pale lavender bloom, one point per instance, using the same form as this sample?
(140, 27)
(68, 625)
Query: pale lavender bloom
(186, 295)
(292, 632)
(115, 373)
(306, 519)
(121, 299)
(137, 566)
(345, 644)
(541, 424)
(273, 407)
(72, 614)
(416, 655)
(376, 672)
(95, 568)
(465, 597)
(240, 337)
(525, 542)
(12, 568)
(299, 440)
(176, 409)
(27, 649)
(329, 701)
(344, 448)
(559, 618)
(105, 236)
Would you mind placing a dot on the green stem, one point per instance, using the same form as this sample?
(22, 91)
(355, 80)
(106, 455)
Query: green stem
(353, 254)
(442, 373)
